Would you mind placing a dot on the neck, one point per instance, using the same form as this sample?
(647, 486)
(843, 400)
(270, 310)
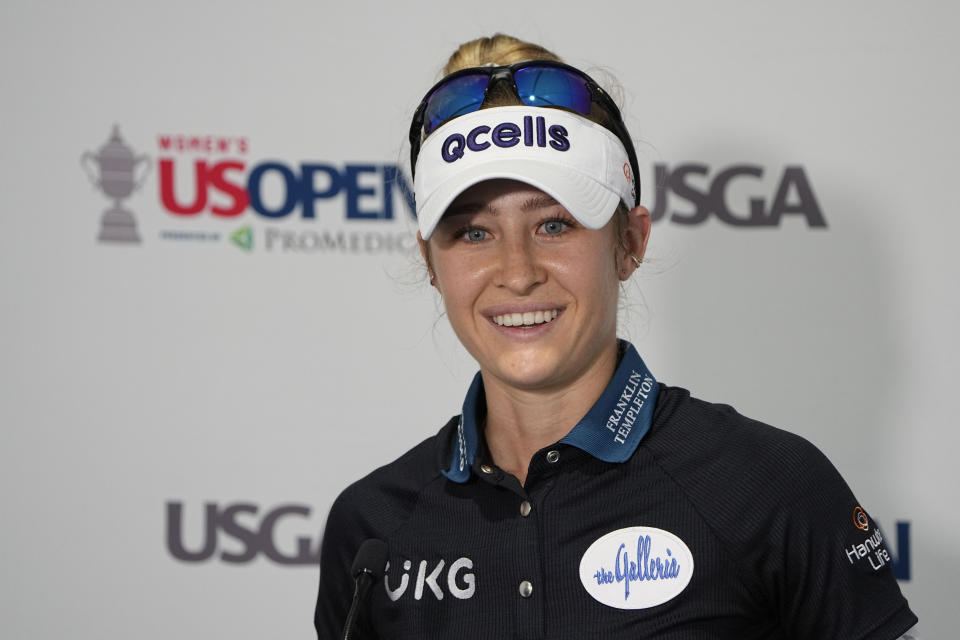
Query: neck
(520, 422)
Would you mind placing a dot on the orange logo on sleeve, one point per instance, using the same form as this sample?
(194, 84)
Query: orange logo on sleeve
(860, 519)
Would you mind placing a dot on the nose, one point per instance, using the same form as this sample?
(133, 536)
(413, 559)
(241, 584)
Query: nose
(520, 268)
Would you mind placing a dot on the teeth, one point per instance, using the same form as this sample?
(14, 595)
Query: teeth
(525, 319)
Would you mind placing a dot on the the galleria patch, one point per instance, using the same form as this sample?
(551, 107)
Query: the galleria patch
(636, 568)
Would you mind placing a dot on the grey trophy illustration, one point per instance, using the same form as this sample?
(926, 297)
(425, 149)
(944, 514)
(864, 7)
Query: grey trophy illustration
(113, 170)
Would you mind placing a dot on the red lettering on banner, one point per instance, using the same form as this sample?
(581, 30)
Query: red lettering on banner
(205, 177)
(168, 197)
(236, 193)
(202, 144)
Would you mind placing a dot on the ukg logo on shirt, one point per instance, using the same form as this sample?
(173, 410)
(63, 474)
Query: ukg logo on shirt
(457, 577)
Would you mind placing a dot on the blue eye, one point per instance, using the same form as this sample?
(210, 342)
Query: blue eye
(554, 227)
(475, 235)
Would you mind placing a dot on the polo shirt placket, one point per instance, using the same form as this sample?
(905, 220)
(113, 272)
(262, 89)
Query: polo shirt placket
(610, 431)
(524, 553)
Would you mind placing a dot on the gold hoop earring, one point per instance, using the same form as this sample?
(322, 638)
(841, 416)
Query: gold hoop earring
(637, 261)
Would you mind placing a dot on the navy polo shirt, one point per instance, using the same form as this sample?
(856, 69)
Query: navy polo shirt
(656, 516)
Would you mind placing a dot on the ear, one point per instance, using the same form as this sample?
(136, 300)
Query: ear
(425, 254)
(636, 232)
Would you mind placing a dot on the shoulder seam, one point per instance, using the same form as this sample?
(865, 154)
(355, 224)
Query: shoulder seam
(728, 553)
(406, 520)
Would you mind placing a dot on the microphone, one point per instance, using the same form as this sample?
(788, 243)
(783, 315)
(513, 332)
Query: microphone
(368, 567)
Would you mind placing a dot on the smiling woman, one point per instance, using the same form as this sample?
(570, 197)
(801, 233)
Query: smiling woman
(504, 252)
(575, 496)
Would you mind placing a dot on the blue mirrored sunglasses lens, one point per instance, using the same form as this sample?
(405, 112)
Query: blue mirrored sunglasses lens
(455, 98)
(552, 87)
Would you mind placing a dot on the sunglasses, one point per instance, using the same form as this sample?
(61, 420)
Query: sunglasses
(537, 83)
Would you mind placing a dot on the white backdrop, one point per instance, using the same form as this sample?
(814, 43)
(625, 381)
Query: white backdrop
(194, 368)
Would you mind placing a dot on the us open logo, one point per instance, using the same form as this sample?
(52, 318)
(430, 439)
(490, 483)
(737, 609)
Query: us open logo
(636, 568)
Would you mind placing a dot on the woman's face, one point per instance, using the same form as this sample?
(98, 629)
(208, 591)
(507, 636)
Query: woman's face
(530, 292)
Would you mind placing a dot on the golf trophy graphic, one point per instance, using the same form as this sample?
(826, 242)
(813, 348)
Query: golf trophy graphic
(113, 170)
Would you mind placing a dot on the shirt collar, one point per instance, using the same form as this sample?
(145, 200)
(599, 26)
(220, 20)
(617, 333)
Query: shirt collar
(611, 430)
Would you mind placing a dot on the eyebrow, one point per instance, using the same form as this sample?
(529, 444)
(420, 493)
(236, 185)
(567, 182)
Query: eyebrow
(539, 202)
(535, 202)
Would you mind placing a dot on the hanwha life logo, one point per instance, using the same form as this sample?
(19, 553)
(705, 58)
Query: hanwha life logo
(860, 519)
(636, 568)
(113, 170)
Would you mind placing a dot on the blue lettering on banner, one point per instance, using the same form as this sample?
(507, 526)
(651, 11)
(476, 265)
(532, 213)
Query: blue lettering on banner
(643, 568)
(360, 183)
(355, 192)
(533, 133)
(290, 192)
(309, 192)
(901, 562)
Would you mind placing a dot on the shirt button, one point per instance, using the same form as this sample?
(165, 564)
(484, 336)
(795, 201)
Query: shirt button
(526, 589)
(553, 456)
(525, 508)
(486, 468)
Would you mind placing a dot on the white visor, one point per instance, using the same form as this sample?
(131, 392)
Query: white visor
(578, 162)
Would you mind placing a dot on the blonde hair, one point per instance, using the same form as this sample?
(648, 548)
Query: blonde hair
(499, 49)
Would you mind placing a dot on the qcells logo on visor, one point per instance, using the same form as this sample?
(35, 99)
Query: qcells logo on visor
(533, 133)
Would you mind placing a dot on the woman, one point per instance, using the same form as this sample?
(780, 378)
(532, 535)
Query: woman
(575, 496)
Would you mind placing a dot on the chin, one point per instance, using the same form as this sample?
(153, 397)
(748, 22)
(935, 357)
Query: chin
(528, 373)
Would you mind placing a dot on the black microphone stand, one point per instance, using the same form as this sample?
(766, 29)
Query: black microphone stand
(363, 583)
(368, 566)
